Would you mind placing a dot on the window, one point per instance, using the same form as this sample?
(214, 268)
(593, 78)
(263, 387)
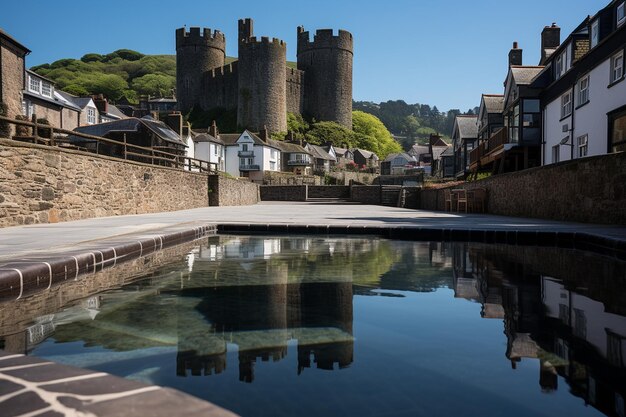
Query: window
(617, 130)
(560, 67)
(595, 33)
(580, 323)
(566, 104)
(46, 89)
(34, 84)
(272, 165)
(583, 90)
(620, 14)
(617, 67)
(555, 153)
(244, 147)
(582, 145)
(91, 115)
(28, 108)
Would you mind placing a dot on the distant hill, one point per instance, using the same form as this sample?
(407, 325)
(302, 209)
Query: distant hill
(412, 123)
(122, 74)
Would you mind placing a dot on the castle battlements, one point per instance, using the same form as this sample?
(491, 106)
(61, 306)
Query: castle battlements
(197, 37)
(325, 38)
(227, 69)
(265, 40)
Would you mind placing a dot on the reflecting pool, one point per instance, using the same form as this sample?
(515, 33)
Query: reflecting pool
(363, 326)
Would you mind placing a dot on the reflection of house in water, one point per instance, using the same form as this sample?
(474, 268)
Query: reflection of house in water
(574, 336)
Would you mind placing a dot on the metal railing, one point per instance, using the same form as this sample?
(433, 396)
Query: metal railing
(249, 167)
(499, 137)
(245, 153)
(44, 134)
(294, 162)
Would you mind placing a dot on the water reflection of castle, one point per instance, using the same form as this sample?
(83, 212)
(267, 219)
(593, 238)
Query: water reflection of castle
(556, 311)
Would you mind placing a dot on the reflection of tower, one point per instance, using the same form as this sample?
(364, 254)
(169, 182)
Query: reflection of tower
(326, 305)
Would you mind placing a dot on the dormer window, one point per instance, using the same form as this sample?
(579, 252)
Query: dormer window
(560, 67)
(34, 84)
(91, 115)
(621, 18)
(595, 33)
(46, 89)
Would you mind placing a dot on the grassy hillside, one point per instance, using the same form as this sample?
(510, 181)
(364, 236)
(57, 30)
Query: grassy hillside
(123, 74)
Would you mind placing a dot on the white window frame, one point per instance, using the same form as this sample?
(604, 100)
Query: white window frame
(46, 89)
(620, 13)
(272, 165)
(556, 151)
(34, 84)
(595, 33)
(582, 145)
(617, 67)
(91, 115)
(566, 105)
(583, 90)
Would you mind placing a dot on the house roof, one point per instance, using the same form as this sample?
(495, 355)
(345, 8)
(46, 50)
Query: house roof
(229, 138)
(341, 151)
(288, 147)
(365, 154)
(438, 141)
(524, 75)
(494, 103)
(466, 125)
(448, 152)
(114, 111)
(162, 100)
(133, 124)
(40, 76)
(11, 39)
(417, 150)
(205, 137)
(319, 152)
(403, 155)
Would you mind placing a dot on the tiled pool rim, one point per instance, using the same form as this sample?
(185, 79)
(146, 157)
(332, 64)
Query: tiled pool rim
(24, 276)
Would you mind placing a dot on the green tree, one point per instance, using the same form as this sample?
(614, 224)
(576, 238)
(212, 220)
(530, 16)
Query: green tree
(367, 126)
(154, 85)
(322, 132)
(111, 85)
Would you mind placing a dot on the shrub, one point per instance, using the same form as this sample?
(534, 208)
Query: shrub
(5, 128)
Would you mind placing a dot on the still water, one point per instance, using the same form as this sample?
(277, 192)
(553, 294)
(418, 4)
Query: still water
(311, 326)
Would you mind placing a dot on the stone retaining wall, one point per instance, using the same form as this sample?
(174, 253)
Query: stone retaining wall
(366, 194)
(225, 191)
(283, 193)
(41, 184)
(329, 191)
(590, 190)
(289, 178)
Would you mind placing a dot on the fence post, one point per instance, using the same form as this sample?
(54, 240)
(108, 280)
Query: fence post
(35, 128)
(125, 148)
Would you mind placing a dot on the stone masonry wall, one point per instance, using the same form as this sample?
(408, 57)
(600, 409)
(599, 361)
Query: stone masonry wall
(12, 80)
(365, 194)
(283, 193)
(39, 184)
(590, 190)
(231, 192)
(329, 191)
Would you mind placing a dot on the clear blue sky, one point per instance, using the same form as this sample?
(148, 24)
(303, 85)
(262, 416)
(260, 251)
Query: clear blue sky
(443, 53)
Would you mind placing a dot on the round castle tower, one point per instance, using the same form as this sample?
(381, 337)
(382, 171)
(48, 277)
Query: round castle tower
(327, 62)
(262, 99)
(196, 53)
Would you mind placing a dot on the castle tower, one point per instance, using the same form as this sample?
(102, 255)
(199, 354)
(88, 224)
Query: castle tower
(262, 99)
(196, 53)
(327, 62)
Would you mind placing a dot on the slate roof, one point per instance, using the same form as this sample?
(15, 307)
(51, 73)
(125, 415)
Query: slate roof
(403, 155)
(448, 152)
(524, 75)
(365, 154)
(205, 137)
(288, 147)
(133, 124)
(114, 111)
(319, 152)
(494, 103)
(341, 152)
(466, 124)
(417, 150)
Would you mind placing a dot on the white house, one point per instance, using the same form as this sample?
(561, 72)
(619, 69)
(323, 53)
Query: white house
(584, 101)
(249, 155)
(208, 146)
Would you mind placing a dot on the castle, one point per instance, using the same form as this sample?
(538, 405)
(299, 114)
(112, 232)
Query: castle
(259, 85)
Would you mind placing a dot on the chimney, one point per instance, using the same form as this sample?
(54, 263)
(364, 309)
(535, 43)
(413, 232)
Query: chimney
(101, 103)
(264, 134)
(175, 121)
(213, 130)
(550, 39)
(515, 55)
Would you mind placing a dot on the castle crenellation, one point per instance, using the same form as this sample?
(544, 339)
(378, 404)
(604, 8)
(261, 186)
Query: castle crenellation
(259, 85)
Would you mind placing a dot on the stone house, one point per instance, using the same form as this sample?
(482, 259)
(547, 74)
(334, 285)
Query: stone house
(12, 72)
(365, 158)
(295, 158)
(322, 160)
(41, 98)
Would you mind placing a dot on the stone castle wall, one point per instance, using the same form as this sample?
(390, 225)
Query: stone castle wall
(262, 100)
(327, 63)
(221, 87)
(295, 91)
(590, 190)
(40, 184)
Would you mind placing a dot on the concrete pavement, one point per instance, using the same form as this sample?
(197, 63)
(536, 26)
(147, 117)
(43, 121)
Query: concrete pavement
(39, 239)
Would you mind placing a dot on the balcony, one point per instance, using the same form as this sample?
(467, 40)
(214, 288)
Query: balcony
(245, 154)
(298, 162)
(249, 167)
(486, 150)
